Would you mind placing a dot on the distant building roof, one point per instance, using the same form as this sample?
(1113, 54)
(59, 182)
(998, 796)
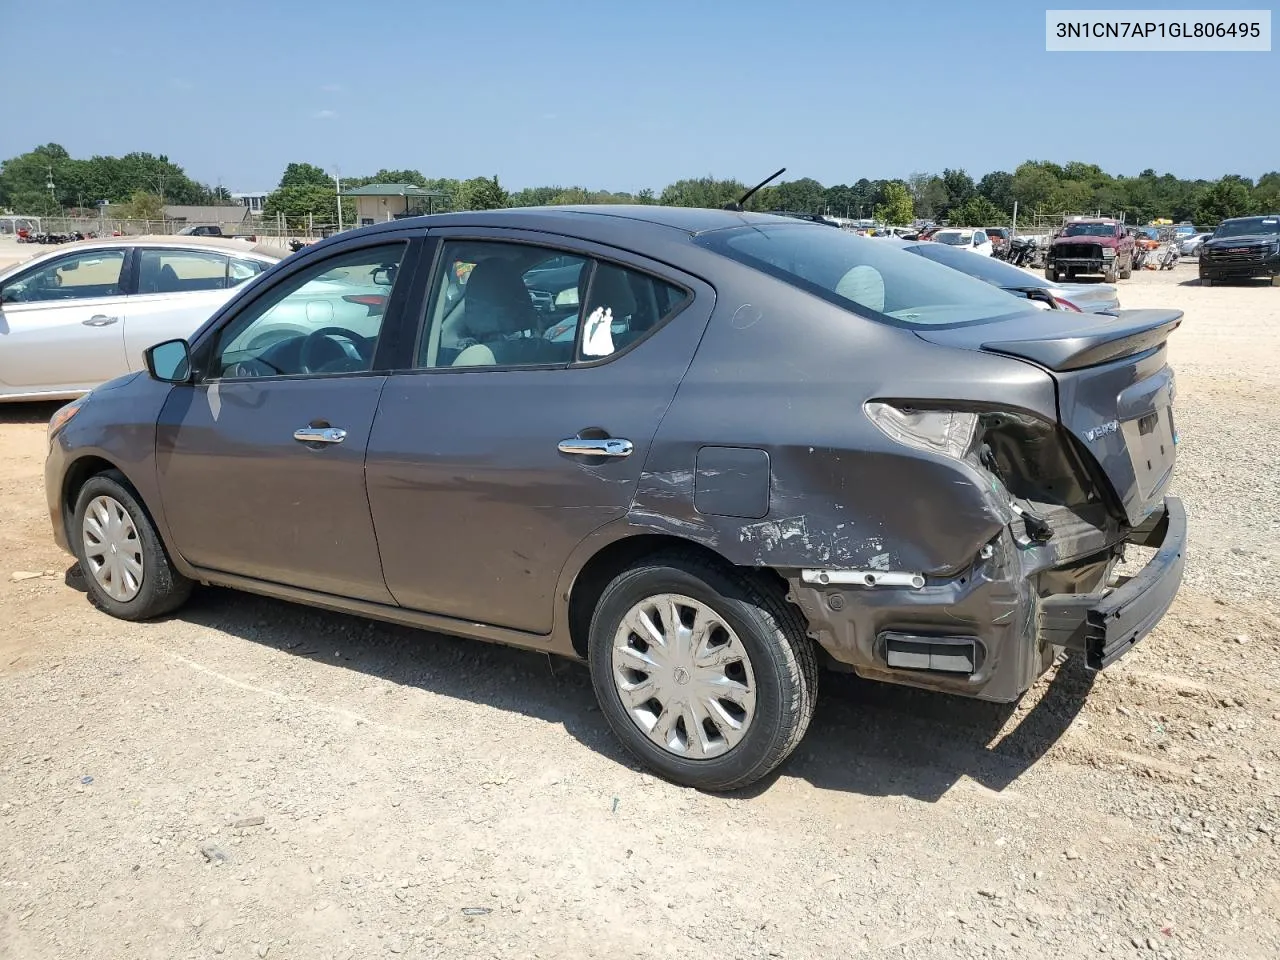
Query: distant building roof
(391, 190)
(230, 213)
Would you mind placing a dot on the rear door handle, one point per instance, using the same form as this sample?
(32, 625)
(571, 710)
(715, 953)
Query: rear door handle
(99, 320)
(607, 447)
(320, 435)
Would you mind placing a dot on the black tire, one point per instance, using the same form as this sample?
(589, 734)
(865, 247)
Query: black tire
(162, 589)
(1127, 270)
(1206, 281)
(781, 656)
(1051, 274)
(1109, 273)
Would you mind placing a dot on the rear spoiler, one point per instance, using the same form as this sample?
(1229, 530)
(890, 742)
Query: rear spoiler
(1129, 333)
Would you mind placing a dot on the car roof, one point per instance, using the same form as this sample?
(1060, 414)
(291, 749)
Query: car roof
(594, 217)
(257, 250)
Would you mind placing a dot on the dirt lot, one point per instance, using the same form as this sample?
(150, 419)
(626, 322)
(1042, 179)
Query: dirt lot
(254, 779)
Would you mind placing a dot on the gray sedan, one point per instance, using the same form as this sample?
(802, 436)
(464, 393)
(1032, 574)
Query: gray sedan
(768, 447)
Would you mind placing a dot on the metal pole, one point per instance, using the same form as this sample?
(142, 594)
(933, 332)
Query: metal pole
(1015, 218)
(338, 183)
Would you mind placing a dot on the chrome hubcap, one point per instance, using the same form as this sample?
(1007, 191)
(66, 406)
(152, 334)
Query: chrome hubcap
(112, 548)
(683, 676)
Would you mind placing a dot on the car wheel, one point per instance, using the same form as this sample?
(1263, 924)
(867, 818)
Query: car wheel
(124, 563)
(1275, 281)
(706, 676)
(1051, 274)
(1109, 274)
(1206, 281)
(1127, 271)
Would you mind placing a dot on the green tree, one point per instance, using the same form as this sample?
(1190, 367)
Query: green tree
(1230, 197)
(1072, 196)
(303, 201)
(1033, 184)
(646, 196)
(482, 193)
(143, 206)
(307, 175)
(1266, 194)
(929, 195)
(977, 211)
(959, 189)
(997, 187)
(896, 206)
(805, 195)
(701, 192)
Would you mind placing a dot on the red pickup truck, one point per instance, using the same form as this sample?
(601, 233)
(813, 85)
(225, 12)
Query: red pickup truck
(1090, 245)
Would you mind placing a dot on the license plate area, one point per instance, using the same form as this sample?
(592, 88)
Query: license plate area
(1150, 440)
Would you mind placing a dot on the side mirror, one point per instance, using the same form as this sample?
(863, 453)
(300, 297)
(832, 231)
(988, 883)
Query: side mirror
(169, 362)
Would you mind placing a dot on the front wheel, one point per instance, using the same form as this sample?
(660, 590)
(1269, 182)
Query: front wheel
(707, 676)
(1051, 274)
(1109, 273)
(126, 569)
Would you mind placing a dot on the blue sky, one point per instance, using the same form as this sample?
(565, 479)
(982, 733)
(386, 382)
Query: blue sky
(620, 95)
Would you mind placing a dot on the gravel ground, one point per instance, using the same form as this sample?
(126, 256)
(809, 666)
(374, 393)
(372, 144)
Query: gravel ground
(254, 779)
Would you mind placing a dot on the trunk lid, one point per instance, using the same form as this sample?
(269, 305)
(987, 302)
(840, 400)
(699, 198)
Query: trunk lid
(1115, 387)
(1089, 297)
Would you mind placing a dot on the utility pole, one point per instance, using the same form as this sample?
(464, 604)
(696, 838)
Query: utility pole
(49, 184)
(337, 182)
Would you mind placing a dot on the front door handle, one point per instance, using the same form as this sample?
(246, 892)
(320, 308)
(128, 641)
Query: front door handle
(607, 447)
(320, 435)
(99, 320)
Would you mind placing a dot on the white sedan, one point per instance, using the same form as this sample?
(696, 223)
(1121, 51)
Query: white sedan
(975, 240)
(82, 314)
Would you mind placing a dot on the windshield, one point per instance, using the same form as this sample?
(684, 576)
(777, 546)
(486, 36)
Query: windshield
(975, 265)
(867, 276)
(954, 237)
(1248, 226)
(1089, 230)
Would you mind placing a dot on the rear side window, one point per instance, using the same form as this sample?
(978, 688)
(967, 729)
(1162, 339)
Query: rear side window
(864, 275)
(181, 271)
(622, 306)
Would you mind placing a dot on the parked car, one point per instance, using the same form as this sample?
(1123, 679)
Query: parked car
(999, 237)
(1083, 297)
(769, 446)
(1190, 247)
(75, 317)
(975, 240)
(1091, 245)
(1242, 248)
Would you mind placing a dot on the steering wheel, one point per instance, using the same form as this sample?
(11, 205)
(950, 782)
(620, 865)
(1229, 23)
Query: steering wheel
(310, 354)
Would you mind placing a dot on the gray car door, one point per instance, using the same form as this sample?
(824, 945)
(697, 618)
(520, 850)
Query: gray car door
(261, 461)
(514, 437)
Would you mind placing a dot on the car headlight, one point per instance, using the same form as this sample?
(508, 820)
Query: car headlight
(62, 416)
(1108, 252)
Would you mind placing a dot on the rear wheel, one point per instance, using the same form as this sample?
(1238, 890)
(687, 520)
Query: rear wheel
(705, 675)
(126, 569)
(1127, 270)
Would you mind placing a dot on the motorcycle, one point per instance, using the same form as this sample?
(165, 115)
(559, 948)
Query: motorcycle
(1021, 251)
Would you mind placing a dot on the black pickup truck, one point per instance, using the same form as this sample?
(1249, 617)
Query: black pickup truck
(1242, 248)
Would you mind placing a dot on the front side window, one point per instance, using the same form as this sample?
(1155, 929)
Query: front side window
(79, 276)
(864, 275)
(324, 320)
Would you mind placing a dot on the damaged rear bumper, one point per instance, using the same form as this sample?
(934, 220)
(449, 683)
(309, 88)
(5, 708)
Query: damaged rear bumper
(992, 629)
(1105, 626)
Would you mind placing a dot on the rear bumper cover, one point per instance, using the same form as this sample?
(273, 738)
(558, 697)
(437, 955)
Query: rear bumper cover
(1105, 626)
(998, 606)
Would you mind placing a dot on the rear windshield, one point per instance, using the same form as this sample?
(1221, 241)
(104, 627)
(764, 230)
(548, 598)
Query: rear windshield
(975, 265)
(868, 276)
(1248, 226)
